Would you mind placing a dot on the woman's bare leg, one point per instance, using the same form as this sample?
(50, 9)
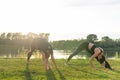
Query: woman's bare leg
(29, 55)
(46, 62)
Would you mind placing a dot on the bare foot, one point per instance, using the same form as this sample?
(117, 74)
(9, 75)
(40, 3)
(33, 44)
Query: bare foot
(48, 68)
(27, 62)
(66, 63)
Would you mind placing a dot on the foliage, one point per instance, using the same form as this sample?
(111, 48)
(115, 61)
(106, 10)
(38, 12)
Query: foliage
(15, 43)
(12, 44)
(92, 38)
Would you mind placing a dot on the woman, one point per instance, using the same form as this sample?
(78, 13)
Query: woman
(46, 50)
(95, 51)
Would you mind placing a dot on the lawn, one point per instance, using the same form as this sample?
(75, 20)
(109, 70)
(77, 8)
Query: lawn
(78, 69)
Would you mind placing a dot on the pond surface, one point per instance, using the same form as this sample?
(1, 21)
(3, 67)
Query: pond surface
(58, 54)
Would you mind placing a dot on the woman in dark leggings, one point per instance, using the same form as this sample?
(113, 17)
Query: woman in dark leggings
(46, 50)
(96, 52)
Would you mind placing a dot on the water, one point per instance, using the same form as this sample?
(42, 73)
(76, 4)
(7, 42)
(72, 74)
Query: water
(58, 54)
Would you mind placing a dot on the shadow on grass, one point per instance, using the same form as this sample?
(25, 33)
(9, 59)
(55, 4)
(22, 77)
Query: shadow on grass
(61, 75)
(50, 75)
(83, 70)
(28, 73)
(117, 71)
(91, 73)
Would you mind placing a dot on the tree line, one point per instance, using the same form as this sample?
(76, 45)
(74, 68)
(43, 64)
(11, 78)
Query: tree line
(15, 44)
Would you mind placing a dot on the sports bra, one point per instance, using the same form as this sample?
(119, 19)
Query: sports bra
(92, 52)
(93, 48)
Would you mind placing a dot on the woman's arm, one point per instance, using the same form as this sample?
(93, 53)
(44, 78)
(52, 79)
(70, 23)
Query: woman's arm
(91, 60)
(96, 52)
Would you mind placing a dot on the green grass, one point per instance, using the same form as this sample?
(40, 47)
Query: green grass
(16, 69)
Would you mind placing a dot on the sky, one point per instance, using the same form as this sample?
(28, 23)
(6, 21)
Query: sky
(63, 19)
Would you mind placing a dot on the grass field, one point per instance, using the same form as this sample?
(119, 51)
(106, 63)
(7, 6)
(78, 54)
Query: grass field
(79, 69)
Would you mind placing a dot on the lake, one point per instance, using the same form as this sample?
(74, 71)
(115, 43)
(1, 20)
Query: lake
(58, 54)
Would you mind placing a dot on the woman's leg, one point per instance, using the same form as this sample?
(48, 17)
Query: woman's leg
(77, 50)
(73, 54)
(107, 65)
(104, 63)
(45, 61)
(29, 55)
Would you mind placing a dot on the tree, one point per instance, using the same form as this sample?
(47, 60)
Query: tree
(17, 36)
(3, 36)
(106, 39)
(92, 37)
(44, 35)
(9, 36)
(108, 42)
(32, 35)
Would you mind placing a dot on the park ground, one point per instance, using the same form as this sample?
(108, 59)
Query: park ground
(78, 69)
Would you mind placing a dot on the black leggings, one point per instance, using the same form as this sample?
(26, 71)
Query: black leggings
(107, 65)
(78, 49)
